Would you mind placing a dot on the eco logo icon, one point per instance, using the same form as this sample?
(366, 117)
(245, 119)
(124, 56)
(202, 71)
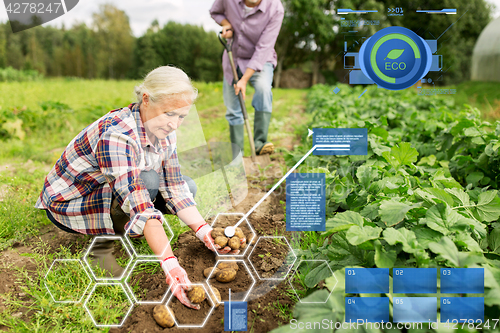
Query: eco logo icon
(395, 58)
(394, 54)
(26, 14)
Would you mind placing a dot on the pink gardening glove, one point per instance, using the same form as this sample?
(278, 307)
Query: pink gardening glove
(204, 234)
(178, 281)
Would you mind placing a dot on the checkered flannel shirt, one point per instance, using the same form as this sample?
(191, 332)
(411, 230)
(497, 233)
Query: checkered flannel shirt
(106, 160)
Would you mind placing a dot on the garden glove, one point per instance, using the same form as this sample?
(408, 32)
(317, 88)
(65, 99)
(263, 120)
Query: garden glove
(204, 234)
(178, 281)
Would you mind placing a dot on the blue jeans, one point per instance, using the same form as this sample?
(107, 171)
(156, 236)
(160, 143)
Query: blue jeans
(152, 181)
(262, 99)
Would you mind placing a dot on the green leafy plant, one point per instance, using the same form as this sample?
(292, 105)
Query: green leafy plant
(425, 195)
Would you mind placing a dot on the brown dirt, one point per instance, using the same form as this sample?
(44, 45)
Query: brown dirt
(268, 256)
(194, 257)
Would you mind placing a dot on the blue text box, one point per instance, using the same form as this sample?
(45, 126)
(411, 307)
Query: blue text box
(462, 309)
(414, 309)
(235, 316)
(414, 280)
(305, 202)
(366, 280)
(340, 141)
(462, 280)
(368, 309)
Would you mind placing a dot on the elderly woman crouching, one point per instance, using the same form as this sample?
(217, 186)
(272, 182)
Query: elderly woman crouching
(120, 175)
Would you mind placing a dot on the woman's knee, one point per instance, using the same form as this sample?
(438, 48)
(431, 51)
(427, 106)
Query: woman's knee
(151, 180)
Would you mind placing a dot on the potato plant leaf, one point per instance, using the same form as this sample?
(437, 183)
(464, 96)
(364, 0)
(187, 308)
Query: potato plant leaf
(358, 235)
(366, 175)
(425, 236)
(444, 219)
(467, 241)
(448, 250)
(404, 236)
(488, 206)
(317, 274)
(441, 194)
(494, 240)
(392, 212)
(383, 258)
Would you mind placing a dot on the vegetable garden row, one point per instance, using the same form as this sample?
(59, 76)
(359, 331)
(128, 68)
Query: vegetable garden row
(424, 196)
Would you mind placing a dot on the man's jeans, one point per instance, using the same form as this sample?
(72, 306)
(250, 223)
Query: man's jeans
(262, 99)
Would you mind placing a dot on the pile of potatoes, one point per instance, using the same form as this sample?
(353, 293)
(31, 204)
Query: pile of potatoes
(224, 272)
(196, 294)
(233, 242)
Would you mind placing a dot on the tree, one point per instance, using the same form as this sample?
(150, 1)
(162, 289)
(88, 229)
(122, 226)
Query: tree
(115, 41)
(186, 46)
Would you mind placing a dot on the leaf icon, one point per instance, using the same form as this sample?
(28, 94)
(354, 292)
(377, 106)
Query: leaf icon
(394, 54)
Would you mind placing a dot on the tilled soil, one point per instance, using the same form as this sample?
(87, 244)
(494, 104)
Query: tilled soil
(194, 257)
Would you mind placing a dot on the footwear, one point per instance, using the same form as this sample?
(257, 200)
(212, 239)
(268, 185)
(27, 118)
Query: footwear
(260, 129)
(237, 133)
(102, 257)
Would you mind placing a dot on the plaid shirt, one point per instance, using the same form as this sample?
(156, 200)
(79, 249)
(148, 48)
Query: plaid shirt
(106, 160)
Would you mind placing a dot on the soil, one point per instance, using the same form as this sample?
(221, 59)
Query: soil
(194, 257)
(268, 256)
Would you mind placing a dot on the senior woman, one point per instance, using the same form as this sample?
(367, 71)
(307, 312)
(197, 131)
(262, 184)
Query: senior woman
(119, 174)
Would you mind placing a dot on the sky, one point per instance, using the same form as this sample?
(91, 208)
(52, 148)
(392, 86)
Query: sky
(143, 12)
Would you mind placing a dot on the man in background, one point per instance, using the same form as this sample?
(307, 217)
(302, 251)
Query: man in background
(254, 25)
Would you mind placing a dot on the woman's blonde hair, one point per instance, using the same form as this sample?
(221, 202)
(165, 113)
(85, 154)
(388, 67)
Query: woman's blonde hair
(166, 82)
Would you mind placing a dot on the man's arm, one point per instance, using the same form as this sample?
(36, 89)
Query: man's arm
(217, 11)
(242, 83)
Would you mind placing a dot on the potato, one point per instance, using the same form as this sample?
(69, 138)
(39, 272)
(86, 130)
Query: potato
(196, 294)
(162, 316)
(214, 292)
(239, 233)
(216, 232)
(225, 275)
(207, 271)
(221, 241)
(228, 265)
(243, 245)
(234, 243)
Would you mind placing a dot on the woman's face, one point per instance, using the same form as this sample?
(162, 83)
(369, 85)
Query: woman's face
(162, 118)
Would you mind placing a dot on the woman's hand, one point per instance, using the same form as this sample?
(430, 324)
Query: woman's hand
(204, 233)
(178, 281)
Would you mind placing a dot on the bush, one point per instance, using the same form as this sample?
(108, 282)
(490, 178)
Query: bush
(10, 74)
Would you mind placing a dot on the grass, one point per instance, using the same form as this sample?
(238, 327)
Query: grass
(483, 95)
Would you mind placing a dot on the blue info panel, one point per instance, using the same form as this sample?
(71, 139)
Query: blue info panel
(462, 309)
(415, 309)
(366, 280)
(235, 316)
(368, 309)
(414, 280)
(340, 141)
(462, 280)
(305, 202)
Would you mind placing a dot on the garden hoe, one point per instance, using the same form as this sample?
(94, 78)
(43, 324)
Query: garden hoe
(261, 160)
